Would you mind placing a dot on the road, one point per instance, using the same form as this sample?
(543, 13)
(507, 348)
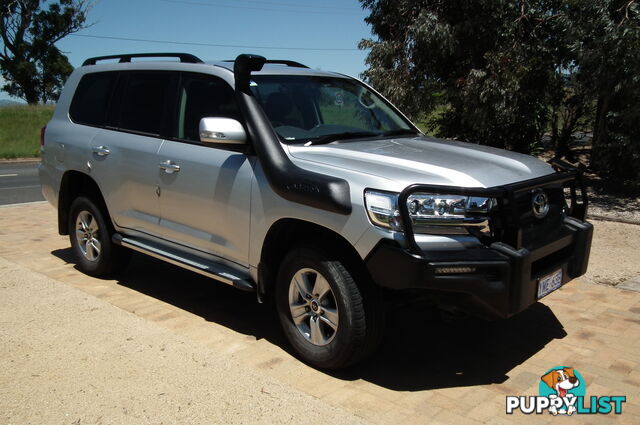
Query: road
(19, 183)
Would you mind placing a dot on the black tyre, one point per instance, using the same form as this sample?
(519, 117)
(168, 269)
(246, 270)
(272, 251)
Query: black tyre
(331, 320)
(90, 237)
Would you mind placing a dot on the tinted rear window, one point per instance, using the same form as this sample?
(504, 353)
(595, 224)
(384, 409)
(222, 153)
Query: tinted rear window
(144, 100)
(91, 100)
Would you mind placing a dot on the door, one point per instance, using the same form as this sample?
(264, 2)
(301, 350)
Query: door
(125, 154)
(205, 190)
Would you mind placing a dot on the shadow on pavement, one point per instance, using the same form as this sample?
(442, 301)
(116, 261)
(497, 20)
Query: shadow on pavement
(420, 350)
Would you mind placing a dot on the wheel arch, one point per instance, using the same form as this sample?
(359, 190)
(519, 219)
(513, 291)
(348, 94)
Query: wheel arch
(73, 184)
(288, 232)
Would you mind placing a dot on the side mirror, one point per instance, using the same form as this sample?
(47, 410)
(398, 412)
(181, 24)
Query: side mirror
(222, 130)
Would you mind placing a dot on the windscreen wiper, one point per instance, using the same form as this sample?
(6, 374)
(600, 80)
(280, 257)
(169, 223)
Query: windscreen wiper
(341, 136)
(401, 132)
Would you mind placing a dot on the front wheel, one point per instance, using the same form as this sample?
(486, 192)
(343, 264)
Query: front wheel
(90, 238)
(329, 319)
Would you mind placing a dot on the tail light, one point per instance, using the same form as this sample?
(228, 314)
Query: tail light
(42, 130)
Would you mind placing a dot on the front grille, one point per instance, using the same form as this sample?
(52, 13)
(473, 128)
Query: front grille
(522, 228)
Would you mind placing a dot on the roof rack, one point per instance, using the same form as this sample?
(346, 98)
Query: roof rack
(184, 57)
(293, 64)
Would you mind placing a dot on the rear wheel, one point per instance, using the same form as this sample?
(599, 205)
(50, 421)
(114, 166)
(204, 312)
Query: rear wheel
(90, 237)
(330, 320)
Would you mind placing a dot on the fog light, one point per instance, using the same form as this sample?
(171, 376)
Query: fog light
(455, 270)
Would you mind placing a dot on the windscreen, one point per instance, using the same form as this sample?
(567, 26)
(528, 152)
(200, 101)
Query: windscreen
(314, 108)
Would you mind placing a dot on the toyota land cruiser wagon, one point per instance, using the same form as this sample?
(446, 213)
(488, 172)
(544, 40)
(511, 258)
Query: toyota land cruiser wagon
(305, 186)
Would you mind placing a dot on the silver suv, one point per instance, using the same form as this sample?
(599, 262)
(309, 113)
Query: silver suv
(305, 187)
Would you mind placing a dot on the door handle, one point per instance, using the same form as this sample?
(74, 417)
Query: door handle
(169, 166)
(101, 151)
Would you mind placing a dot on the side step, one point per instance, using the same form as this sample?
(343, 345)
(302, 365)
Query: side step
(206, 268)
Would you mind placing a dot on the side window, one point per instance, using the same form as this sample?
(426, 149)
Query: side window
(203, 96)
(144, 101)
(91, 99)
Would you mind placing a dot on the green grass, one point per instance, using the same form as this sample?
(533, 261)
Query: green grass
(20, 129)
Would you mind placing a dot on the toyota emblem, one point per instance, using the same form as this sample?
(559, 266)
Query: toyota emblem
(539, 203)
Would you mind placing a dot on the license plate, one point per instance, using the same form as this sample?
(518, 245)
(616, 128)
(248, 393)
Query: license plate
(549, 283)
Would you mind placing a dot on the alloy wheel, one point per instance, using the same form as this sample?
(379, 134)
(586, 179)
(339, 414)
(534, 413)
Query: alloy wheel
(313, 307)
(87, 235)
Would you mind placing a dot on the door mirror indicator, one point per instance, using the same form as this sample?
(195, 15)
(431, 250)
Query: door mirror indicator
(222, 131)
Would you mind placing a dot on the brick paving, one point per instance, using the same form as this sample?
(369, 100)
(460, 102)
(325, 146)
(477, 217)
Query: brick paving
(428, 370)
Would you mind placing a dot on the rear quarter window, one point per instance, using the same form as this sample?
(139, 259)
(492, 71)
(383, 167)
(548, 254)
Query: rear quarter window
(91, 100)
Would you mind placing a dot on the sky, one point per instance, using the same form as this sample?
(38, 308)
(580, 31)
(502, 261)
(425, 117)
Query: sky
(321, 34)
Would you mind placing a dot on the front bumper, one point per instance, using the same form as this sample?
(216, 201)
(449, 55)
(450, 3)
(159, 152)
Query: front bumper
(493, 282)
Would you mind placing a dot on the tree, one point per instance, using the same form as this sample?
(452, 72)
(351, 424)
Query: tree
(33, 67)
(488, 62)
(606, 40)
(508, 71)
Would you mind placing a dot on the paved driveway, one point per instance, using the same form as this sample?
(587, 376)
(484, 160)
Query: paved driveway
(427, 371)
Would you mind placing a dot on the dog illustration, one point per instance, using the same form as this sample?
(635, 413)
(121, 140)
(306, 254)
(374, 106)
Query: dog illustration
(561, 381)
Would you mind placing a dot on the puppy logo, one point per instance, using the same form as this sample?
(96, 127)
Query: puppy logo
(561, 386)
(562, 391)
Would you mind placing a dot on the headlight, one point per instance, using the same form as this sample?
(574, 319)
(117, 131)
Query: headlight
(430, 213)
(382, 208)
